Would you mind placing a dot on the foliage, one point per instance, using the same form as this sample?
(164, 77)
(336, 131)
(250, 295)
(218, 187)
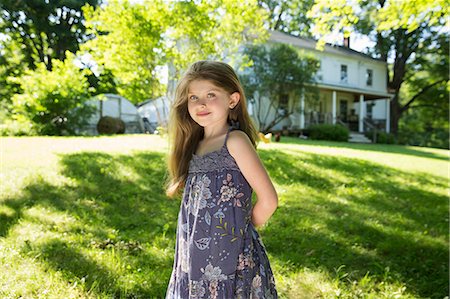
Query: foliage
(341, 16)
(380, 137)
(10, 66)
(421, 127)
(328, 132)
(426, 105)
(346, 214)
(288, 16)
(110, 125)
(128, 43)
(45, 31)
(412, 14)
(49, 98)
(276, 70)
(136, 39)
(17, 126)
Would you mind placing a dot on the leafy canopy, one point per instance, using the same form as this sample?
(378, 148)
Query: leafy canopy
(136, 40)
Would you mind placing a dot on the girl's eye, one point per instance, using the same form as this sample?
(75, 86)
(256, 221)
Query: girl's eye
(193, 98)
(211, 95)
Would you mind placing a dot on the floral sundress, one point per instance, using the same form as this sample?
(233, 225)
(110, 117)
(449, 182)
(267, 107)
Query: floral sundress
(218, 252)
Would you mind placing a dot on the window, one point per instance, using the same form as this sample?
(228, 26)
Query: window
(319, 76)
(284, 103)
(369, 77)
(343, 73)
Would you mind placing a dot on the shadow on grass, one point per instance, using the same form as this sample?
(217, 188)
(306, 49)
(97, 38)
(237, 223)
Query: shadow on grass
(386, 148)
(119, 205)
(335, 211)
(362, 215)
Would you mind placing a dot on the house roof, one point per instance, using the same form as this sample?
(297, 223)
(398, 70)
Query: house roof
(309, 43)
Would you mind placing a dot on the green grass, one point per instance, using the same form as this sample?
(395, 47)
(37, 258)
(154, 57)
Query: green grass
(87, 218)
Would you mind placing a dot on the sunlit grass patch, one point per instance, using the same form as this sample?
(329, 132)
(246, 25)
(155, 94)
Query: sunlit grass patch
(88, 218)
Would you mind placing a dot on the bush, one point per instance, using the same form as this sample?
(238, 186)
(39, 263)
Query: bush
(17, 127)
(382, 137)
(51, 102)
(328, 132)
(110, 125)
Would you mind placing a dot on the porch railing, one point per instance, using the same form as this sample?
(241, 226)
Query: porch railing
(368, 124)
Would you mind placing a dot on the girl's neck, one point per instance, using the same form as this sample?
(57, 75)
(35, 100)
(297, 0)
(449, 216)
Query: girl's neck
(210, 133)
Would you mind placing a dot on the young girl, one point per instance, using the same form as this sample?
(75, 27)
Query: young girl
(218, 252)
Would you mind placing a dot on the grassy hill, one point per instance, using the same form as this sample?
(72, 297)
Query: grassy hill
(85, 217)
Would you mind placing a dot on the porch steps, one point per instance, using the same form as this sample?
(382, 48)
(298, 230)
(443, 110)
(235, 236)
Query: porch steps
(358, 138)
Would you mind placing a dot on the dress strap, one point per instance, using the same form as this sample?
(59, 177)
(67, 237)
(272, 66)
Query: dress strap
(233, 126)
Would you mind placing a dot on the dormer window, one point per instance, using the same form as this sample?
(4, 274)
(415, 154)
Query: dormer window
(369, 77)
(344, 75)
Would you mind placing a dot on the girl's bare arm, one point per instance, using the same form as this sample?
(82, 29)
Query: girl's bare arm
(247, 159)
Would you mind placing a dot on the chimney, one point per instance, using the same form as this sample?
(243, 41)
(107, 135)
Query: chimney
(347, 42)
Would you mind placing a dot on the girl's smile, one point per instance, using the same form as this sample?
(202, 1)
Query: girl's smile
(203, 113)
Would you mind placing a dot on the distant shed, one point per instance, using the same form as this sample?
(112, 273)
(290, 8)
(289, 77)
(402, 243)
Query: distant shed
(154, 113)
(115, 106)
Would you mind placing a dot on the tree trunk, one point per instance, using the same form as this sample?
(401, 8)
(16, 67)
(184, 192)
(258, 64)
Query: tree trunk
(395, 114)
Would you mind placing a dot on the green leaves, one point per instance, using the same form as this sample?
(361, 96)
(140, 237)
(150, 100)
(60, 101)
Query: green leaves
(135, 40)
(274, 72)
(128, 42)
(49, 97)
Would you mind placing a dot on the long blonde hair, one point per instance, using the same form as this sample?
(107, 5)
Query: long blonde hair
(185, 134)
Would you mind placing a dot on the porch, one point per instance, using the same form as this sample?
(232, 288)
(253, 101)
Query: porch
(358, 111)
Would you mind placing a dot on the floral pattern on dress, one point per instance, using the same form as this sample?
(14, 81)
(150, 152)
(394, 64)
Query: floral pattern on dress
(228, 191)
(199, 195)
(196, 289)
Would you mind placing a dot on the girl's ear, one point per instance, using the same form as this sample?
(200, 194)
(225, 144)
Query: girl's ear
(234, 99)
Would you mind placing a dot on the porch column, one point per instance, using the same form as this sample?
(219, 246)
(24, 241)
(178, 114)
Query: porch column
(361, 113)
(333, 108)
(388, 115)
(302, 110)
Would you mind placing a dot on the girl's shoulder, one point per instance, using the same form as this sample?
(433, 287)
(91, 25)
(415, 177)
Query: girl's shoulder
(238, 141)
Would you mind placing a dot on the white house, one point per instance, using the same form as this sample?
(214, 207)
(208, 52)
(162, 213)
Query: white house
(352, 88)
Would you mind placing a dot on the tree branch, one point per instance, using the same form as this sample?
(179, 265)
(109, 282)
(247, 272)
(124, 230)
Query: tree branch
(425, 89)
(424, 106)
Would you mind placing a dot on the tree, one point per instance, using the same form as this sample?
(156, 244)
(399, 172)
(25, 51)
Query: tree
(425, 93)
(288, 16)
(277, 71)
(402, 30)
(10, 66)
(45, 29)
(137, 40)
(128, 43)
(51, 102)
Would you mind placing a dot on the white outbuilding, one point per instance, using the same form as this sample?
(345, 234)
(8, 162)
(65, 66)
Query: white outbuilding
(154, 113)
(115, 106)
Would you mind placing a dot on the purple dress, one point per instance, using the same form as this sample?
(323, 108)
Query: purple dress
(218, 252)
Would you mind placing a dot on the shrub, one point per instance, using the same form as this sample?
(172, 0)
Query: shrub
(328, 132)
(110, 125)
(49, 98)
(17, 127)
(382, 137)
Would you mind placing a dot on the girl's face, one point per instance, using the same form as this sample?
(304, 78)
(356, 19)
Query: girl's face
(208, 104)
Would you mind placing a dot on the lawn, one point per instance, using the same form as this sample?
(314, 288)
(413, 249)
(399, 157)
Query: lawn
(86, 217)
